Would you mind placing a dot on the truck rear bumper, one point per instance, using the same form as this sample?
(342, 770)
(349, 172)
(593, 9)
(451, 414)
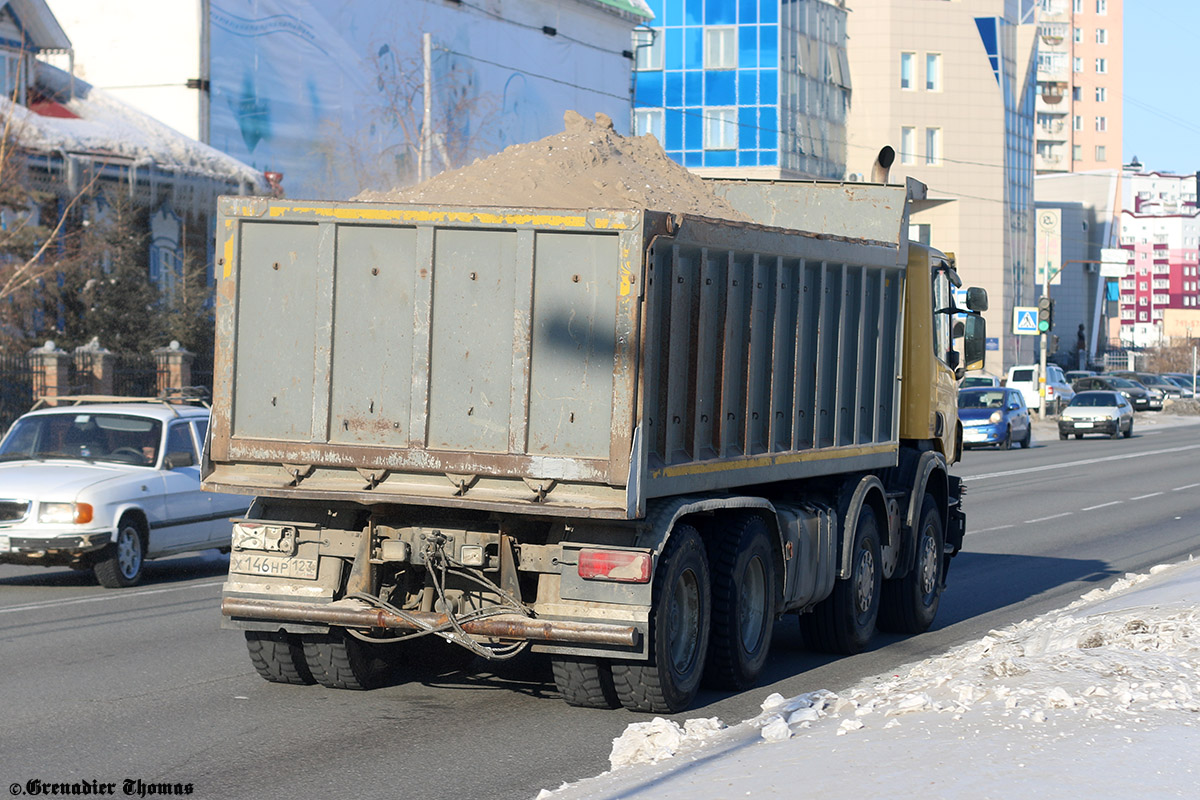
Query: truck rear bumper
(355, 614)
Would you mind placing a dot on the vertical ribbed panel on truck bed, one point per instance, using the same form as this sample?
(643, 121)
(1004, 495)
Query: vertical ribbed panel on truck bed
(768, 357)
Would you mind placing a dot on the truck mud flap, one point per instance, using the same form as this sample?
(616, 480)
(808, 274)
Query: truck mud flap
(956, 523)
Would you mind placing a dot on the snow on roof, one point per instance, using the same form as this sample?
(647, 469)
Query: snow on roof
(39, 23)
(103, 127)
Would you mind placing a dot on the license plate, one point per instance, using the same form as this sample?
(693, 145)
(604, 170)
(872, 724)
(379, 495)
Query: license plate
(4, 544)
(305, 568)
(1083, 424)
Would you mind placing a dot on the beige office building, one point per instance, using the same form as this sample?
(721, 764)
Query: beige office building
(1080, 85)
(951, 85)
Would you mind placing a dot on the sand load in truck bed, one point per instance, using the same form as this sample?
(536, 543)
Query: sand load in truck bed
(588, 165)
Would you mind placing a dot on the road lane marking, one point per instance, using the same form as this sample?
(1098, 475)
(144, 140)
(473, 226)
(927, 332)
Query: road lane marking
(997, 528)
(1189, 486)
(1044, 519)
(1103, 505)
(1144, 496)
(1070, 464)
(100, 598)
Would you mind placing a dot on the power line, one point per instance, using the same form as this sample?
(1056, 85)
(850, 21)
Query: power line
(533, 74)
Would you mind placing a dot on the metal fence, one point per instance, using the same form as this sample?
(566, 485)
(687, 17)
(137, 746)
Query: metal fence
(19, 383)
(139, 374)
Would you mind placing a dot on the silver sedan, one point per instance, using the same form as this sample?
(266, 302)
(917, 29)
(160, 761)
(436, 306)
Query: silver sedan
(1103, 412)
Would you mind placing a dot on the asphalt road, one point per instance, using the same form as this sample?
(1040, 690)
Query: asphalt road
(142, 684)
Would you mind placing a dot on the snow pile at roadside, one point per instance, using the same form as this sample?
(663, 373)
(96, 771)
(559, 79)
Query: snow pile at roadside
(1102, 695)
(1113, 667)
(651, 742)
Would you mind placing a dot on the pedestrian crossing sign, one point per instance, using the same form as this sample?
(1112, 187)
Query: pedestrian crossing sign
(1025, 320)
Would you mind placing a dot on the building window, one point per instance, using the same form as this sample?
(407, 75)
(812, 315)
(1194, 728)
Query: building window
(1101, 124)
(1077, 122)
(908, 145)
(1101, 153)
(720, 129)
(1077, 66)
(1101, 66)
(720, 48)
(907, 62)
(10, 75)
(1101, 36)
(649, 120)
(933, 72)
(1101, 94)
(1101, 6)
(647, 50)
(1078, 35)
(933, 146)
(1077, 152)
(1077, 6)
(1076, 93)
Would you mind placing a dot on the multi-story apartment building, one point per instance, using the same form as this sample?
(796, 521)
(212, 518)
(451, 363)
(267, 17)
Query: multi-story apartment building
(756, 88)
(1160, 227)
(951, 86)
(1080, 83)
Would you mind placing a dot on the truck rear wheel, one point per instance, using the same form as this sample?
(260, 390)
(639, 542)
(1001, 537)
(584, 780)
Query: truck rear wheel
(278, 657)
(743, 605)
(584, 682)
(910, 603)
(339, 661)
(678, 637)
(844, 622)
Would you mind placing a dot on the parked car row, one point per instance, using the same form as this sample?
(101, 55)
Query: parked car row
(996, 412)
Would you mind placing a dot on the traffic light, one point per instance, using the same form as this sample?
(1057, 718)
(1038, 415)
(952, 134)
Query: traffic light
(1045, 314)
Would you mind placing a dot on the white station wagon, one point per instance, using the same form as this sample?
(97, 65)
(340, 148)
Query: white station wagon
(107, 485)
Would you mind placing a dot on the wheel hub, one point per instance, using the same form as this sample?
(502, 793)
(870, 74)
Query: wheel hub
(864, 583)
(752, 604)
(683, 622)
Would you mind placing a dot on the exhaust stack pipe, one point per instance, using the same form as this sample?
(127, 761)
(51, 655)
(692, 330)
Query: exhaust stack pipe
(883, 165)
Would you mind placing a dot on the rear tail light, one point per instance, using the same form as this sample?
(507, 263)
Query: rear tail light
(620, 566)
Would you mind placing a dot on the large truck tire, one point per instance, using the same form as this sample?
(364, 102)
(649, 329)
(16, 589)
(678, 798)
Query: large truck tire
(339, 661)
(278, 657)
(584, 682)
(909, 603)
(844, 622)
(743, 604)
(678, 634)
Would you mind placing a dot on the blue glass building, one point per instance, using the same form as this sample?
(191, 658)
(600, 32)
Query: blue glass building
(755, 87)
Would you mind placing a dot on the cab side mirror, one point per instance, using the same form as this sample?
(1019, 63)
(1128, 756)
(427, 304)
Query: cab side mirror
(977, 299)
(974, 341)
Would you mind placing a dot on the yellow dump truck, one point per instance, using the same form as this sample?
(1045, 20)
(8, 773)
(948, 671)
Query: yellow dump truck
(633, 440)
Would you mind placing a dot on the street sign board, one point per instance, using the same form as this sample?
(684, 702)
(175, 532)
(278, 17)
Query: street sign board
(1025, 320)
(1114, 262)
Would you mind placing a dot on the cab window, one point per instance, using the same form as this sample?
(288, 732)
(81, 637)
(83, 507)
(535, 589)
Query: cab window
(941, 322)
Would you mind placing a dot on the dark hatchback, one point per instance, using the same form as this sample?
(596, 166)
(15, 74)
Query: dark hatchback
(1138, 395)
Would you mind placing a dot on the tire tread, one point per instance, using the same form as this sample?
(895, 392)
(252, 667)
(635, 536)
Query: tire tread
(278, 657)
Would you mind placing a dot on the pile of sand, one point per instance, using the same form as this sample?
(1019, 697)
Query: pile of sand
(588, 165)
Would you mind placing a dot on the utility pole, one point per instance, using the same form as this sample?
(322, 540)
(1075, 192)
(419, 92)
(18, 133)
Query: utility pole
(427, 118)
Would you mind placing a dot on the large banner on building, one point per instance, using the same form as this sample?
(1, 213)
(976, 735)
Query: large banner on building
(330, 93)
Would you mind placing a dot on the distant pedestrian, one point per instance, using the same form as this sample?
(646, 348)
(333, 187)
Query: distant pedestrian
(1081, 361)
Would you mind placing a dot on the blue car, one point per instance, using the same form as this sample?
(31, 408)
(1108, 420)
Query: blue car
(994, 416)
